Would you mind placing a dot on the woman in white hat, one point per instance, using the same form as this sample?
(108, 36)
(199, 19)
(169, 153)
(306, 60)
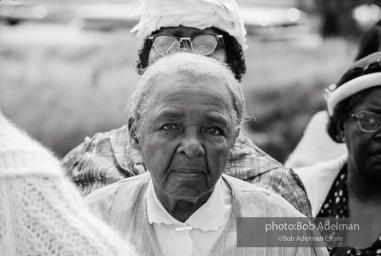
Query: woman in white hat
(349, 186)
(212, 28)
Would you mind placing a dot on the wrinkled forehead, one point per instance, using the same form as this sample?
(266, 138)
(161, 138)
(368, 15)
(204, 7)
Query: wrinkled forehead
(188, 82)
(186, 69)
(191, 88)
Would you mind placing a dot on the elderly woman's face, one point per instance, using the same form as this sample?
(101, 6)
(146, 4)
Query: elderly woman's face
(365, 148)
(187, 136)
(219, 53)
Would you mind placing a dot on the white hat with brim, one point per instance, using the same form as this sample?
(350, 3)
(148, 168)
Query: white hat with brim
(343, 90)
(351, 88)
(201, 14)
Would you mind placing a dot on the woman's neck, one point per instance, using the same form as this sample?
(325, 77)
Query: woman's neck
(179, 208)
(362, 204)
(364, 200)
(363, 189)
(369, 209)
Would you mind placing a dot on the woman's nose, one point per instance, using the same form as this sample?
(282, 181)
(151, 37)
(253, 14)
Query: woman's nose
(185, 44)
(192, 146)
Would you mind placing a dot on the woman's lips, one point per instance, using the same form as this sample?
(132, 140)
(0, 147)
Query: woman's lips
(377, 151)
(376, 154)
(189, 169)
(189, 172)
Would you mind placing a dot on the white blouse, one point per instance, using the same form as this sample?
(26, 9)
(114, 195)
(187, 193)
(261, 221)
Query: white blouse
(198, 234)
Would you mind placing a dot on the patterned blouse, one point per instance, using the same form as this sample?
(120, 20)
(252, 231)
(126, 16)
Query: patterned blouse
(336, 205)
(108, 157)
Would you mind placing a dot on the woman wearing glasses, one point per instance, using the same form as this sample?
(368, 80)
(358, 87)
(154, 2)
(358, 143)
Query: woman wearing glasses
(350, 186)
(212, 28)
(208, 27)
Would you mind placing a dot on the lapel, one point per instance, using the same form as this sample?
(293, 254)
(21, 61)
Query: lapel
(129, 216)
(154, 248)
(227, 243)
(318, 180)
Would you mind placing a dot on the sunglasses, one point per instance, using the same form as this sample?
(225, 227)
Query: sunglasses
(204, 44)
(368, 122)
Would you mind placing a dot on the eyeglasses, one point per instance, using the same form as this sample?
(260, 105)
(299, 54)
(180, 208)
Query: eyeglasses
(204, 44)
(359, 71)
(367, 121)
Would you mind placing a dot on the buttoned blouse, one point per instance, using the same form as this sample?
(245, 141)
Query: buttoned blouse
(200, 232)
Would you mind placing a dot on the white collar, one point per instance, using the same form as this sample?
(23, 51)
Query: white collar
(209, 217)
(318, 180)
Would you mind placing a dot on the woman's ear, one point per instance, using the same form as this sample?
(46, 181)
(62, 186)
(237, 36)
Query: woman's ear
(236, 134)
(132, 132)
(342, 133)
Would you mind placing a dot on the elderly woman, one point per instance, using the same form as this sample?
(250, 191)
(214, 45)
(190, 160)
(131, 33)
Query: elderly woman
(184, 118)
(208, 27)
(350, 186)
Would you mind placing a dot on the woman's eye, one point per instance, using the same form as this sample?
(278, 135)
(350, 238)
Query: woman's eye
(367, 118)
(169, 127)
(370, 120)
(214, 131)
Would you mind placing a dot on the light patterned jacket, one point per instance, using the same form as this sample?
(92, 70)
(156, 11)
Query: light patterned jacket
(123, 206)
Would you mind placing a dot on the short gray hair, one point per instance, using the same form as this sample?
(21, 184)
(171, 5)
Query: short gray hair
(197, 65)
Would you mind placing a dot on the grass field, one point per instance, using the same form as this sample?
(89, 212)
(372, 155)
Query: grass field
(62, 92)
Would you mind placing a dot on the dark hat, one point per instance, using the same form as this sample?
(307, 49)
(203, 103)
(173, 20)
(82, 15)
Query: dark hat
(370, 42)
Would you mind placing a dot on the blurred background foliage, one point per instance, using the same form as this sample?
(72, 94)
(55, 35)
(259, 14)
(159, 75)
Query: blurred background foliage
(67, 68)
